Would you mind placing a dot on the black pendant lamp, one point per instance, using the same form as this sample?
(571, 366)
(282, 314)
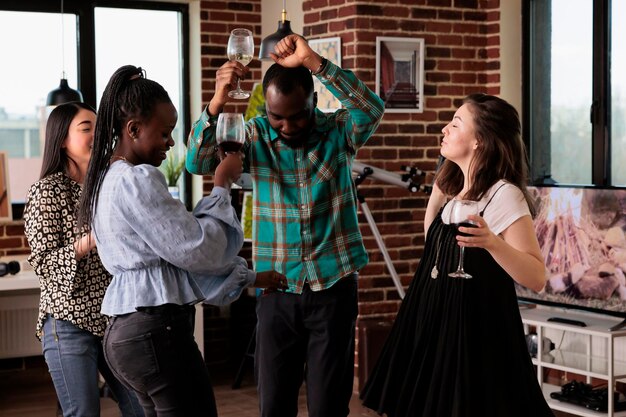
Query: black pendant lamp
(268, 44)
(63, 94)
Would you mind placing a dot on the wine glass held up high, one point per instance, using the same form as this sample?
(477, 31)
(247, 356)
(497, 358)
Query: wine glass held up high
(459, 213)
(240, 48)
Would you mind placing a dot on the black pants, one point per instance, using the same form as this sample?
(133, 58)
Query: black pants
(307, 336)
(153, 351)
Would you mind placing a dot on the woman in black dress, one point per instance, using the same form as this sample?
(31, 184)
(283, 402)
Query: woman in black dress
(457, 346)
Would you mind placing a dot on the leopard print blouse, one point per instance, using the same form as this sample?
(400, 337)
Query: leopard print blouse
(71, 290)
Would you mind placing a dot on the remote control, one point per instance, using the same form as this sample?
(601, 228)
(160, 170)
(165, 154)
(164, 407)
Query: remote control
(568, 321)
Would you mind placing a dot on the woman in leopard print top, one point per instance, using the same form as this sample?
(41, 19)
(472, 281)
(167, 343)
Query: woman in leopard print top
(71, 277)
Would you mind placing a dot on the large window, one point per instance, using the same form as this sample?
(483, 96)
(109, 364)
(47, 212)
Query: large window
(618, 92)
(96, 41)
(575, 98)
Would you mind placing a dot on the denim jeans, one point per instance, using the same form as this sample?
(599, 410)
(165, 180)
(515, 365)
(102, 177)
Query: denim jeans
(154, 352)
(74, 357)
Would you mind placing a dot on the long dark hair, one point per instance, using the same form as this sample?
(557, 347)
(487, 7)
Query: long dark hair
(501, 154)
(55, 158)
(127, 95)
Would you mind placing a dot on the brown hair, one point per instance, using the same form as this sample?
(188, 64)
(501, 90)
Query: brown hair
(501, 154)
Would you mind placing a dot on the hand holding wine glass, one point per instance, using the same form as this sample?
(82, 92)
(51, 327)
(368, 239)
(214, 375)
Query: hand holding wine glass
(459, 213)
(240, 48)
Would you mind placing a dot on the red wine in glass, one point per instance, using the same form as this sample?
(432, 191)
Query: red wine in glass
(463, 224)
(230, 132)
(230, 146)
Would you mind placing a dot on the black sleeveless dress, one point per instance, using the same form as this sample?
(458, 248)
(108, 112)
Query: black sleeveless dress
(457, 346)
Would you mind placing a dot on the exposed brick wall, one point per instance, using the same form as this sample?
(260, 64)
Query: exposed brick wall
(12, 239)
(462, 56)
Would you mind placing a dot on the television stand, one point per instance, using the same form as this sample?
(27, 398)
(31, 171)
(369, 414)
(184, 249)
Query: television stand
(592, 357)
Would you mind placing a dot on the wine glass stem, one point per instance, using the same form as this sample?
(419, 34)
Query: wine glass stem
(461, 256)
(238, 87)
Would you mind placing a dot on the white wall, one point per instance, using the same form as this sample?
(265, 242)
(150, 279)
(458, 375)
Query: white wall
(511, 52)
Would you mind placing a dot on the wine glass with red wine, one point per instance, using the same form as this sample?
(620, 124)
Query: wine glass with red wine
(459, 213)
(230, 132)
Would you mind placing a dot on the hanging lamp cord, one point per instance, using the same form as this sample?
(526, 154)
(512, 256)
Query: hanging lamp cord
(62, 43)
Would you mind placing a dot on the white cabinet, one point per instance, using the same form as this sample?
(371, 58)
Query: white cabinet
(591, 364)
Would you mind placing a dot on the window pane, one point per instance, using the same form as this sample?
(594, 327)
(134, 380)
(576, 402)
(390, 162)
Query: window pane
(618, 93)
(33, 62)
(150, 39)
(571, 92)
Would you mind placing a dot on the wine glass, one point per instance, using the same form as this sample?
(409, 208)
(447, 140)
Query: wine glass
(459, 213)
(230, 132)
(240, 48)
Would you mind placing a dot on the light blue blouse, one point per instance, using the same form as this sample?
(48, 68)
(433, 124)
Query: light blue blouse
(160, 253)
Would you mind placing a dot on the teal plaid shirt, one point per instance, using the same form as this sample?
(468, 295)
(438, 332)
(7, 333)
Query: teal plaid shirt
(304, 198)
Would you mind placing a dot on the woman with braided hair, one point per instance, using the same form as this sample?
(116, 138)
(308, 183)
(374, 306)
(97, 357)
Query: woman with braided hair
(163, 259)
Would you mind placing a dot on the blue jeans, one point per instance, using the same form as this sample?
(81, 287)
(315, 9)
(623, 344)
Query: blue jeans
(74, 357)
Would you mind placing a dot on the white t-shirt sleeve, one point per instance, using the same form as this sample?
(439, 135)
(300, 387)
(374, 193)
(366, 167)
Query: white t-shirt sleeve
(507, 206)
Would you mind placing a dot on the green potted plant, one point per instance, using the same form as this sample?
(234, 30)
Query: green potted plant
(172, 167)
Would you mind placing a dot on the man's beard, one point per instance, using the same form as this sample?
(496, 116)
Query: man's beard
(295, 143)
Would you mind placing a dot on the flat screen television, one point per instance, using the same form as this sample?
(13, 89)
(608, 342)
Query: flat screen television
(581, 232)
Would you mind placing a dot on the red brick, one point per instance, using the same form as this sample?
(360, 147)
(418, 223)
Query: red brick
(11, 242)
(14, 230)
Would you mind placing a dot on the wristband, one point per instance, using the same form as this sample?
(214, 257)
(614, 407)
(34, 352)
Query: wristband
(321, 67)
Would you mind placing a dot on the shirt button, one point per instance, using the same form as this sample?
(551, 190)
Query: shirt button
(169, 328)
(301, 184)
(303, 206)
(298, 159)
(306, 258)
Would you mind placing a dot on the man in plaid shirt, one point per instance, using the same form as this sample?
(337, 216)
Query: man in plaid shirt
(305, 222)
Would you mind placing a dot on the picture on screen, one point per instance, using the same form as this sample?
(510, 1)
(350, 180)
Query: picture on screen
(581, 235)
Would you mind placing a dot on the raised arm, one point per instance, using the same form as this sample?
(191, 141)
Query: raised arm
(202, 156)
(364, 108)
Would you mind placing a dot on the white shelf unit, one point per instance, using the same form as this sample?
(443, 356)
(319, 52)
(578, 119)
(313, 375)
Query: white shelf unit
(599, 365)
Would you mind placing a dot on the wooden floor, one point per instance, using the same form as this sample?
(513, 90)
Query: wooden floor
(28, 392)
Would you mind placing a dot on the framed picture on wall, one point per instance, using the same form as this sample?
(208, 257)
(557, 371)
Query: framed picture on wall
(329, 48)
(5, 196)
(400, 73)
